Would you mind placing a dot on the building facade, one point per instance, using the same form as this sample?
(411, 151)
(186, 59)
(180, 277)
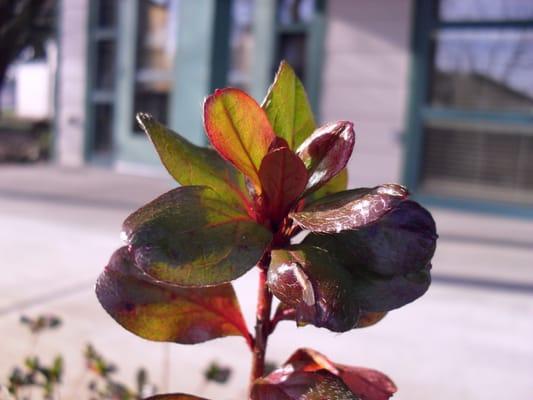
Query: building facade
(441, 92)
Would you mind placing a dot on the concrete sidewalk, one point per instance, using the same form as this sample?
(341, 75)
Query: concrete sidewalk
(468, 338)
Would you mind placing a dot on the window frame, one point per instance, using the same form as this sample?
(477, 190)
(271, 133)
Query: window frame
(424, 23)
(267, 32)
(98, 96)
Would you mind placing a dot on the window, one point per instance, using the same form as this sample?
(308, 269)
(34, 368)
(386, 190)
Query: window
(102, 56)
(299, 25)
(471, 112)
(264, 33)
(156, 47)
(241, 44)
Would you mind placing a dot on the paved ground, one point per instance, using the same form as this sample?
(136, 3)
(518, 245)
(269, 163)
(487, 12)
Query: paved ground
(470, 337)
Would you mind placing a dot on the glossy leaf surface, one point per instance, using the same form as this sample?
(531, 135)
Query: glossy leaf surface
(283, 178)
(191, 237)
(239, 130)
(350, 209)
(311, 281)
(193, 165)
(402, 241)
(160, 312)
(310, 375)
(288, 108)
(326, 152)
(175, 396)
(333, 280)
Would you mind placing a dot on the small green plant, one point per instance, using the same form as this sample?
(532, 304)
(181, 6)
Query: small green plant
(272, 178)
(35, 379)
(104, 386)
(34, 375)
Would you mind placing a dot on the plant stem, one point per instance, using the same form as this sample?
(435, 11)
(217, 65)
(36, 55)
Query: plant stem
(262, 325)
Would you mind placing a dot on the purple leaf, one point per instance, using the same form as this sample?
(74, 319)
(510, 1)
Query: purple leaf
(334, 280)
(326, 152)
(350, 209)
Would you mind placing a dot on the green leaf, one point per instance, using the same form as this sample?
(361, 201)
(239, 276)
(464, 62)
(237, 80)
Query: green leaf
(350, 209)
(193, 165)
(160, 312)
(336, 184)
(191, 237)
(288, 108)
(332, 280)
(283, 178)
(239, 130)
(310, 375)
(326, 152)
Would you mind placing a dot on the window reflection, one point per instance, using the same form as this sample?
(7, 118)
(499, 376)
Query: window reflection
(484, 70)
(295, 11)
(241, 44)
(468, 10)
(156, 46)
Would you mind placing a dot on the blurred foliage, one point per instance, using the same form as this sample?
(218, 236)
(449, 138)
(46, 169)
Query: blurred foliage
(37, 379)
(217, 373)
(103, 385)
(41, 323)
(36, 374)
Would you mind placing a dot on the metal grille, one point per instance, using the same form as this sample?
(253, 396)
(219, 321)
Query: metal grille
(484, 162)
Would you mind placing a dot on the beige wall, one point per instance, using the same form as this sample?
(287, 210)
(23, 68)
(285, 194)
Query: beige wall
(72, 81)
(365, 80)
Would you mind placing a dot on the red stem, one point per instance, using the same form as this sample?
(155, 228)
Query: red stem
(281, 314)
(262, 326)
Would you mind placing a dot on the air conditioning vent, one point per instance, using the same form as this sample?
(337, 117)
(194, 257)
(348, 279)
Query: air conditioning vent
(476, 161)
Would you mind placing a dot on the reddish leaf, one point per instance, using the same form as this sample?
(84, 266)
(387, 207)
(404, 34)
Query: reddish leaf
(161, 312)
(310, 375)
(283, 178)
(326, 152)
(350, 209)
(174, 396)
(288, 385)
(366, 383)
(239, 130)
(310, 281)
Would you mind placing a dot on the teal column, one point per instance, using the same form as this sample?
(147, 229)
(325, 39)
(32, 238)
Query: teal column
(128, 148)
(264, 47)
(194, 67)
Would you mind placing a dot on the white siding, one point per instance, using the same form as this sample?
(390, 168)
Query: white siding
(72, 82)
(365, 80)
